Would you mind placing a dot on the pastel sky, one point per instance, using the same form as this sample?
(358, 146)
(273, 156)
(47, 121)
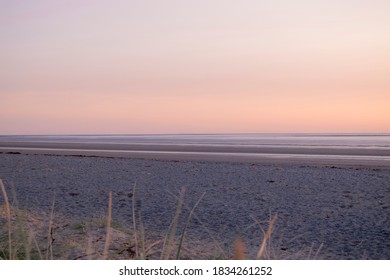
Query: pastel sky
(204, 66)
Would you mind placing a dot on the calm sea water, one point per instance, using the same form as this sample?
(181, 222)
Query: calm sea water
(364, 141)
(367, 147)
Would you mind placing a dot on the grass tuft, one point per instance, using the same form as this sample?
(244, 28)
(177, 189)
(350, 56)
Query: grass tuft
(8, 214)
(169, 239)
(108, 231)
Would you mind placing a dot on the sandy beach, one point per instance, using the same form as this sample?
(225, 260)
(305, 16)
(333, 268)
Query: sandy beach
(327, 209)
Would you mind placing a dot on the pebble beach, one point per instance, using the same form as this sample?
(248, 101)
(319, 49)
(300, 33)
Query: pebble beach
(322, 211)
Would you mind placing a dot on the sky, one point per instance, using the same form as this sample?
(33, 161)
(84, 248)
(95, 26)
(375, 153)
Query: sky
(174, 66)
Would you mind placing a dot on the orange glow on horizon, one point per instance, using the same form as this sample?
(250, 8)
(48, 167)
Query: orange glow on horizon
(137, 68)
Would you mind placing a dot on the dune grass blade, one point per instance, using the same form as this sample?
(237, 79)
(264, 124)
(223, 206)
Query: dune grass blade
(8, 211)
(169, 239)
(22, 234)
(22, 240)
(50, 238)
(185, 227)
(318, 251)
(108, 230)
(142, 237)
(266, 237)
(33, 239)
(239, 250)
(134, 222)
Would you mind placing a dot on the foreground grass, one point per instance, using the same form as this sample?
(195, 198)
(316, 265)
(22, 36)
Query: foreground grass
(28, 235)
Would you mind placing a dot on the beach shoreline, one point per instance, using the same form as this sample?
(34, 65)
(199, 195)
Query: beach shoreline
(266, 154)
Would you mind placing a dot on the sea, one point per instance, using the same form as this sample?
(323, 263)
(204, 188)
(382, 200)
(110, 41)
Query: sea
(325, 140)
(336, 145)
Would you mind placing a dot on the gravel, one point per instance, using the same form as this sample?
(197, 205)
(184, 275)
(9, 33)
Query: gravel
(323, 212)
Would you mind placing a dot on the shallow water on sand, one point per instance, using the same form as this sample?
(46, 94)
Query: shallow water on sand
(259, 139)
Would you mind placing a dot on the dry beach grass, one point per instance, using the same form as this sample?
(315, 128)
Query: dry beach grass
(26, 238)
